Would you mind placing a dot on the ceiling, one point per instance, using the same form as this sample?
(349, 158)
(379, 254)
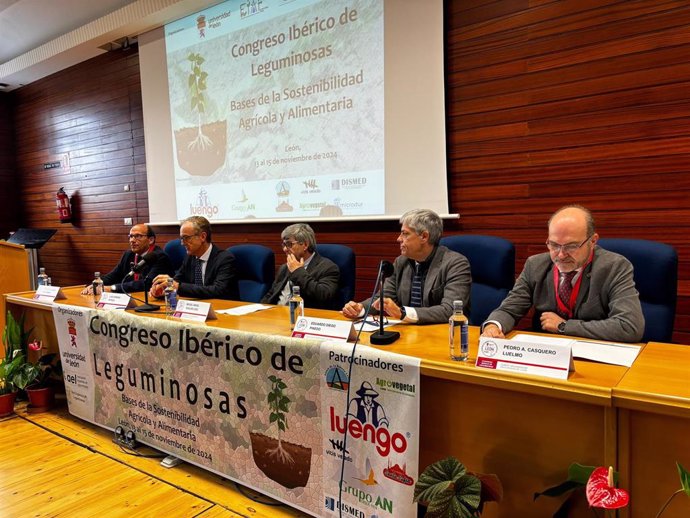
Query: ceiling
(41, 37)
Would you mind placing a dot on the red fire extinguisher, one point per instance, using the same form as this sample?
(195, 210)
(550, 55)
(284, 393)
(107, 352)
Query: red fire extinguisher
(62, 201)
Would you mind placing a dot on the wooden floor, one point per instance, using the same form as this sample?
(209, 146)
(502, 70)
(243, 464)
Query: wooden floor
(53, 464)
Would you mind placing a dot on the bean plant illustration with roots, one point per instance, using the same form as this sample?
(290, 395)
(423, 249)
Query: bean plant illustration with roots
(278, 403)
(197, 86)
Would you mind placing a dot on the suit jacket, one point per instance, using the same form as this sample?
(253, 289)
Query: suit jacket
(220, 278)
(117, 275)
(607, 306)
(447, 279)
(318, 283)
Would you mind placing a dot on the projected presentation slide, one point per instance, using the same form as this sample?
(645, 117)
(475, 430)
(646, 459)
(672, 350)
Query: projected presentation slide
(277, 109)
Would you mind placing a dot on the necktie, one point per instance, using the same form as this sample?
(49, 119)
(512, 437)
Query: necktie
(416, 294)
(136, 261)
(198, 277)
(565, 289)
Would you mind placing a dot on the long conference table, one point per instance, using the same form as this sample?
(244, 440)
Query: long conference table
(525, 429)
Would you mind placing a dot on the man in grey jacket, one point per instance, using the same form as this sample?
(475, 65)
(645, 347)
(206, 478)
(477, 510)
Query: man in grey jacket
(576, 288)
(427, 277)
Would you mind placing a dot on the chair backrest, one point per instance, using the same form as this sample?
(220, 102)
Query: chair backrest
(256, 268)
(344, 257)
(176, 252)
(656, 279)
(492, 263)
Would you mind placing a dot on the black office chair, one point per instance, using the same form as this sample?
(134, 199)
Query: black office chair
(492, 263)
(344, 257)
(255, 266)
(656, 279)
(176, 252)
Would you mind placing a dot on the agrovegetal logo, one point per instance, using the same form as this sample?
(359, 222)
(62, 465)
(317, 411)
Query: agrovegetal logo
(204, 207)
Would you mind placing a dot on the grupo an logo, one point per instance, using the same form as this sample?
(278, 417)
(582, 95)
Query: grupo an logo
(203, 206)
(369, 423)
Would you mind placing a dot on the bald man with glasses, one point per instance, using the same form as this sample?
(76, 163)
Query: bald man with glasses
(316, 276)
(142, 240)
(576, 288)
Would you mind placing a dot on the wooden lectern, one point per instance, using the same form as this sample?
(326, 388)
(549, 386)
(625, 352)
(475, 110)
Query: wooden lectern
(15, 274)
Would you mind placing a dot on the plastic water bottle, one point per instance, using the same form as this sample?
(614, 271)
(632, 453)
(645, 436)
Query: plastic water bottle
(97, 285)
(170, 298)
(296, 306)
(458, 329)
(42, 279)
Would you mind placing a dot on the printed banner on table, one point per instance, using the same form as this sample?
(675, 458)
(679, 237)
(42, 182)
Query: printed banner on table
(270, 412)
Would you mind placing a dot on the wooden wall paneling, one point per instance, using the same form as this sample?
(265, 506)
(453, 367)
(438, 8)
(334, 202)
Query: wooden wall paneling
(547, 103)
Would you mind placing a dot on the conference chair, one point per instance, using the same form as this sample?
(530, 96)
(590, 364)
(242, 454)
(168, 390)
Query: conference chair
(656, 279)
(255, 266)
(492, 264)
(344, 257)
(176, 252)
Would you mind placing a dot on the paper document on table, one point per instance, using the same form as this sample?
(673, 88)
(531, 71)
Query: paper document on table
(244, 310)
(369, 325)
(612, 353)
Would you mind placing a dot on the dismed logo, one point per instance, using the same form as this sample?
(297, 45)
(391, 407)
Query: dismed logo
(204, 207)
(336, 378)
(333, 504)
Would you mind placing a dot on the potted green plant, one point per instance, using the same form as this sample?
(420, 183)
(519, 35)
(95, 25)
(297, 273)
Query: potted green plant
(34, 378)
(449, 491)
(14, 339)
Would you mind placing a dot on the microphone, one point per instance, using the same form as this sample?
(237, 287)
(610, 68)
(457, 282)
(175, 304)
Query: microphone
(146, 259)
(382, 337)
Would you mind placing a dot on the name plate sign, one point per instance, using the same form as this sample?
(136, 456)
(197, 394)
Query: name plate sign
(539, 359)
(49, 293)
(111, 300)
(324, 328)
(194, 310)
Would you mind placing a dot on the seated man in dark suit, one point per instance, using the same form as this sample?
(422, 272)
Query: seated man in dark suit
(427, 277)
(208, 272)
(316, 276)
(576, 288)
(142, 240)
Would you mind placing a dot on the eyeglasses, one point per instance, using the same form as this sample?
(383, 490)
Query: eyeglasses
(137, 236)
(567, 249)
(187, 239)
(288, 244)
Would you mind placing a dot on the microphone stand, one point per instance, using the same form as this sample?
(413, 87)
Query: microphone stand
(382, 337)
(146, 307)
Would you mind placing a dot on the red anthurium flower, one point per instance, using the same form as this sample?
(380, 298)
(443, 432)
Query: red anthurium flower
(36, 345)
(602, 493)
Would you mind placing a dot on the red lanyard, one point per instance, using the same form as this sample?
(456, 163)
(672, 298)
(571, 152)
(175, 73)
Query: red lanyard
(570, 309)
